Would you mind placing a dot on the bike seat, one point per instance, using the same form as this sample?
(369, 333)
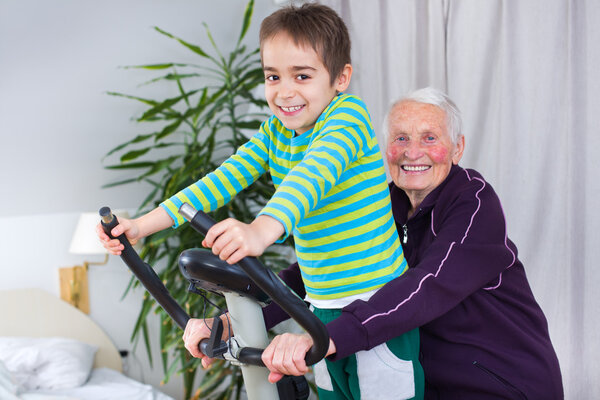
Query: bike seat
(207, 271)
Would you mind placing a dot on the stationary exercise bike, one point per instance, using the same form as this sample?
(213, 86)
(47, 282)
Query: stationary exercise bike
(246, 286)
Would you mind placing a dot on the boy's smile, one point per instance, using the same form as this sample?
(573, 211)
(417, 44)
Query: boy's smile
(297, 84)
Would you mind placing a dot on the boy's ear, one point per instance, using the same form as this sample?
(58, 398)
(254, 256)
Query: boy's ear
(343, 80)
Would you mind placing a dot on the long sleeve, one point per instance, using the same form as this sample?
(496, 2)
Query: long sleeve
(218, 187)
(332, 195)
(273, 314)
(341, 136)
(466, 250)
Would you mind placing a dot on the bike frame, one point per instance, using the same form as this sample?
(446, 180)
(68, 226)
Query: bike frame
(244, 308)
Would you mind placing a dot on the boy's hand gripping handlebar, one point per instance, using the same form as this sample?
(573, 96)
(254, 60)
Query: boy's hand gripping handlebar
(264, 278)
(270, 283)
(144, 272)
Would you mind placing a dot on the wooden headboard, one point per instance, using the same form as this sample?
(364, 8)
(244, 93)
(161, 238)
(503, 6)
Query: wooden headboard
(36, 313)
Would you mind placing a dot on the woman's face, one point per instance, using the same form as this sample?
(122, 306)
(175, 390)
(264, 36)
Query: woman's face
(420, 151)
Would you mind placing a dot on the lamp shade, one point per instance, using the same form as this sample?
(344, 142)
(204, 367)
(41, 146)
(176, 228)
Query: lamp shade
(85, 240)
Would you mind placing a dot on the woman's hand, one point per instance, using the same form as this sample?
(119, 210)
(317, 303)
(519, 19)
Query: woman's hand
(197, 330)
(285, 355)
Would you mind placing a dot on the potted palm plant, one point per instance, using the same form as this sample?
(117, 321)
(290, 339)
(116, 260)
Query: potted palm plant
(193, 133)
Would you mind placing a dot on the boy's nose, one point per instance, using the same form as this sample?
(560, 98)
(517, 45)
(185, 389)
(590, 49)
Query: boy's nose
(286, 91)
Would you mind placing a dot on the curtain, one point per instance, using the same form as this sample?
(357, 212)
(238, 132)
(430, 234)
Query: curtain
(525, 74)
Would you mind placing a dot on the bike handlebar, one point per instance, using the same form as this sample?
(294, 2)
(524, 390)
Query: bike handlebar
(264, 278)
(270, 283)
(144, 272)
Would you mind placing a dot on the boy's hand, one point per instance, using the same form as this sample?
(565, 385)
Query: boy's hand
(198, 329)
(233, 240)
(285, 355)
(114, 246)
(134, 229)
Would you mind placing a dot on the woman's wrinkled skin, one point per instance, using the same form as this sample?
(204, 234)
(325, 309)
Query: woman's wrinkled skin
(420, 151)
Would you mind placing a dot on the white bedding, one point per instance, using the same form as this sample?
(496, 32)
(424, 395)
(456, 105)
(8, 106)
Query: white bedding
(61, 369)
(47, 363)
(51, 351)
(103, 384)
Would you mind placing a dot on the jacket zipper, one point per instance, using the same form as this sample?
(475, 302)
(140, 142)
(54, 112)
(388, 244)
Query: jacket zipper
(405, 228)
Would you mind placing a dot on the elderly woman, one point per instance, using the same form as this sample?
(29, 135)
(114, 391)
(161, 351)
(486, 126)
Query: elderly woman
(483, 335)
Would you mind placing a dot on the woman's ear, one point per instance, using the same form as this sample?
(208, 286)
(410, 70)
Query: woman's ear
(343, 80)
(459, 149)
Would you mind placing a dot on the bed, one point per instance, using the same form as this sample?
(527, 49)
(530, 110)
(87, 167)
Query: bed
(49, 350)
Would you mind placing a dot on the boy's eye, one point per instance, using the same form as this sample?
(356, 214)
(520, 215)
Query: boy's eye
(272, 77)
(302, 77)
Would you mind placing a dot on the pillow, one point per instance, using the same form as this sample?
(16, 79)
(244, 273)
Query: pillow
(8, 386)
(47, 363)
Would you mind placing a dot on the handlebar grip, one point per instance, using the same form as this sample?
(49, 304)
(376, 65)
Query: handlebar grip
(144, 272)
(270, 283)
(204, 346)
(247, 355)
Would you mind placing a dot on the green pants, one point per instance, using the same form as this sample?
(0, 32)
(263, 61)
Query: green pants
(388, 371)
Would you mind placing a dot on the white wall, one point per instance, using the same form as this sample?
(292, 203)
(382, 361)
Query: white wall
(57, 61)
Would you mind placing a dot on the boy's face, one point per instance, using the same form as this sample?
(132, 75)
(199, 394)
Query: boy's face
(297, 84)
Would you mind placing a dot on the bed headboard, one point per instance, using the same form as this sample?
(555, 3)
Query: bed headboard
(36, 313)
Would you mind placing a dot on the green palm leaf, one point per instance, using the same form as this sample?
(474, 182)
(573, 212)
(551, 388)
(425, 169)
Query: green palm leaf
(203, 125)
(246, 22)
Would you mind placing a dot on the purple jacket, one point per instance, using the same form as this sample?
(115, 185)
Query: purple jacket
(483, 335)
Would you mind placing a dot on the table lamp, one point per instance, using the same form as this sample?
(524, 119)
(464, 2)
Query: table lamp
(73, 280)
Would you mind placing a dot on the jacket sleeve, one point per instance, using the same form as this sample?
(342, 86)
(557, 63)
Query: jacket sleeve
(468, 253)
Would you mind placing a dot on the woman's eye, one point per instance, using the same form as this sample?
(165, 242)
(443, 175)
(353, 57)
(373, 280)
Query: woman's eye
(401, 139)
(430, 138)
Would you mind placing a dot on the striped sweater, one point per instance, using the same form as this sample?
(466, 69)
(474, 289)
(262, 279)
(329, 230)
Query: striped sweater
(331, 194)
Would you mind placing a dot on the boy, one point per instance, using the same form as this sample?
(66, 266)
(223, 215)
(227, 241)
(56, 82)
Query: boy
(331, 193)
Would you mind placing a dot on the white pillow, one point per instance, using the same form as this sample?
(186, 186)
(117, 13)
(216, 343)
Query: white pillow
(47, 363)
(8, 386)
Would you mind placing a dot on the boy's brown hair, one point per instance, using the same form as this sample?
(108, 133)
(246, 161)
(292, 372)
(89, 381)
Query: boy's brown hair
(313, 25)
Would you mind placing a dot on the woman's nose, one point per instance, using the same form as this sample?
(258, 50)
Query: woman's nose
(413, 151)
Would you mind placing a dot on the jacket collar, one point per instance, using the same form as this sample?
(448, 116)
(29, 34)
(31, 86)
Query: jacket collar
(401, 203)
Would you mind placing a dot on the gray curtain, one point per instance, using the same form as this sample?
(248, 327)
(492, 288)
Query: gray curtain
(526, 74)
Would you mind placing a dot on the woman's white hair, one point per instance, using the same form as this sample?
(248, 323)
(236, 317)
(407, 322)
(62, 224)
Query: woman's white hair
(437, 98)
